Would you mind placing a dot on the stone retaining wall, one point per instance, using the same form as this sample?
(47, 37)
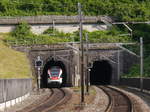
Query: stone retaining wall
(13, 88)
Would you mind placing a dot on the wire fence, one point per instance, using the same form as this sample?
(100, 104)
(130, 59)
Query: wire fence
(26, 42)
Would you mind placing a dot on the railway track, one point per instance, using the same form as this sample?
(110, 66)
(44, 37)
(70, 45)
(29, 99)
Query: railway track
(118, 101)
(49, 102)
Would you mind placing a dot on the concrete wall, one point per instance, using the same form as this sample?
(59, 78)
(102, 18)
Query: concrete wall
(13, 88)
(67, 28)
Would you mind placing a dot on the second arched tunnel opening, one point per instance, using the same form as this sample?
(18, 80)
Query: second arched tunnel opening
(51, 64)
(101, 73)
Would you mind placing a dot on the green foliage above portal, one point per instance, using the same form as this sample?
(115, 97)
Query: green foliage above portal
(129, 10)
(22, 31)
(23, 35)
(135, 70)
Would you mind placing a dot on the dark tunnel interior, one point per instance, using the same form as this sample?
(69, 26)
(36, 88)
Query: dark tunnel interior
(44, 83)
(101, 73)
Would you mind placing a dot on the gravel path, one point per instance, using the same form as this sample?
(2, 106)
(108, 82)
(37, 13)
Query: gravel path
(144, 96)
(99, 104)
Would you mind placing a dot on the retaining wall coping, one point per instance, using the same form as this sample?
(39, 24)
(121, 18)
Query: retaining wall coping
(50, 18)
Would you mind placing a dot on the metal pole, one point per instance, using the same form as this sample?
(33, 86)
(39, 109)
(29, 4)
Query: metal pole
(128, 28)
(118, 66)
(53, 26)
(39, 78)
(82, 55)
(87, 61)
(131, 34)
(141, 64)
(54, 52)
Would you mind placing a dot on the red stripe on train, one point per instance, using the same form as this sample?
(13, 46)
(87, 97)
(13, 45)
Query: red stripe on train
(54, 78)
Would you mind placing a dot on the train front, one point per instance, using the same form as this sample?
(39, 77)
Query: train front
(54, 76)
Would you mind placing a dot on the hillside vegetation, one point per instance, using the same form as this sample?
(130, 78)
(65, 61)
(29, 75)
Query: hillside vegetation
(140, 30)
(122, 10)
(13, 64)
(129, 10)
(135, 70)
(23, 35)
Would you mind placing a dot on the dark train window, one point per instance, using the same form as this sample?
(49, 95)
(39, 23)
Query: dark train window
(55, 71)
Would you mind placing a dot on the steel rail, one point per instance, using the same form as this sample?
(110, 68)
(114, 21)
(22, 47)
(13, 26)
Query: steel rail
(113, 106)
(57, 97)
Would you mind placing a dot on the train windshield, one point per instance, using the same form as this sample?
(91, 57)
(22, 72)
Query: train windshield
(55, 71)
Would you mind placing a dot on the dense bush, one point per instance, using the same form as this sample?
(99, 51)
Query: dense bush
(141, 30)
(22, 31)
(49, 31)
(135, 70)
(108, 36)
(122, 9)
(23, 35)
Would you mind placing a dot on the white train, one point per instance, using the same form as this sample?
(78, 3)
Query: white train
(54, 75)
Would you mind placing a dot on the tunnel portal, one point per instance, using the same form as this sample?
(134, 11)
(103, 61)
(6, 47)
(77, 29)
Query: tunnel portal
(101, 73)
(48, 65)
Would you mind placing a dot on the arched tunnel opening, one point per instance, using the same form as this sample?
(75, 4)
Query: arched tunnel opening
(48, 65)
(101, 73)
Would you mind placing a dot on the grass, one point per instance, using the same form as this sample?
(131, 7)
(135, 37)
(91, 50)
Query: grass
(3, 35)
(13, 64)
